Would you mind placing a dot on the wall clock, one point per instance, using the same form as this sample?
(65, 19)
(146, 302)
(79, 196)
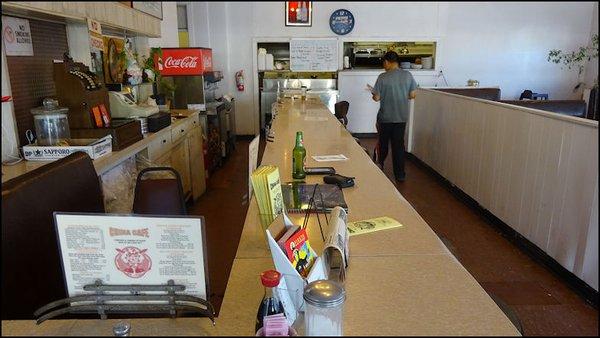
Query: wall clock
(341, 22)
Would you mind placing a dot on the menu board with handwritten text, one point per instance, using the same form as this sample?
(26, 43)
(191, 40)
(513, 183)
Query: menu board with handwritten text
(313, 55)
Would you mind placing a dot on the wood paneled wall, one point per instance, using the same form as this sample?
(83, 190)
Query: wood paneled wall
(31, 77)
(534, 170)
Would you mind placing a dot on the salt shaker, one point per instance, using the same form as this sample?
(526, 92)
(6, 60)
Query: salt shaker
(324, 308)
(122, 329)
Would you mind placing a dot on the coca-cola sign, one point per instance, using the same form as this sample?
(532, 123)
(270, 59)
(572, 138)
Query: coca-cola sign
(184, 61)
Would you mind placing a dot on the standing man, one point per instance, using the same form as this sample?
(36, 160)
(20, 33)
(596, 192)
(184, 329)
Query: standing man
(393, 89)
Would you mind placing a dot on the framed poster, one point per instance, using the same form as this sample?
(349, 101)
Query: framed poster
(298, 13)
(112, 59)
(132, 249)
(153, 8)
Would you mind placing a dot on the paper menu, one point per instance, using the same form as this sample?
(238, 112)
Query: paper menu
(145, 250)
(330, 158)
(275, 194)
(372, 225)
(267, 189)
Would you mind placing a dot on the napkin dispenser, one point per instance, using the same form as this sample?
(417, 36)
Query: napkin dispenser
(158, 121)
(291, 282)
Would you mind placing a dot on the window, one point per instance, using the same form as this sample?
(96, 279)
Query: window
(182, 25)
(182, 17)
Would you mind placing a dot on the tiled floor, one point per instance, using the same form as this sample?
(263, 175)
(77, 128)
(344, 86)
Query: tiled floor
(544, 304)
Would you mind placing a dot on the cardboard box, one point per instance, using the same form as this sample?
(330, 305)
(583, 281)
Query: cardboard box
(95, 148)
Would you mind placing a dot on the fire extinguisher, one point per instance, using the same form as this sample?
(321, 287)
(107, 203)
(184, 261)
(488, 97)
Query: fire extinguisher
(239, 80)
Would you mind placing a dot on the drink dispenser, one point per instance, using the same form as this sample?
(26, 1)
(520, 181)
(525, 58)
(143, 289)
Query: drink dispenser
(51, 124)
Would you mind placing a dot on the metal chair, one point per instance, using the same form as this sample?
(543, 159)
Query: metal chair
(162, 196)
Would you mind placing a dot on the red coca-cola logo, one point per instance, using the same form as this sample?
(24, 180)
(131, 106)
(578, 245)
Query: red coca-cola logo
(184, 61)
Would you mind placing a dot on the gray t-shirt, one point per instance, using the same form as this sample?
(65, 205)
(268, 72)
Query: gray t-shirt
(393, 87)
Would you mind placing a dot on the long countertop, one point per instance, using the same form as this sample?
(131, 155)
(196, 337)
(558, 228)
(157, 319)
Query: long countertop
(106, 162)
(401, 281)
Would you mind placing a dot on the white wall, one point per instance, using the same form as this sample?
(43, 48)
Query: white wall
(198, 24)
(499, 44)
(536, 171)
(9, 127)
(591, 69)
(169, 34)
(218, 33)
(507, 44)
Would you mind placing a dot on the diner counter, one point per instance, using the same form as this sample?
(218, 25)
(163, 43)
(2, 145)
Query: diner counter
(401, 281)
(109, 161)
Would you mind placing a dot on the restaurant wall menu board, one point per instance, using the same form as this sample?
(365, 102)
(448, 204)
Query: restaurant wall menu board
(143, 250)
(313, 55)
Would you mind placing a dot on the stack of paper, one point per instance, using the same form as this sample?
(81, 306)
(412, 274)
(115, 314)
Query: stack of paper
(267, 189)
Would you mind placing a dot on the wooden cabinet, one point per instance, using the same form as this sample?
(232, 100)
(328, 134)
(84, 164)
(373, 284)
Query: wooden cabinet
(194, 139)
(163, 161)
(159, 147)
(180, 161)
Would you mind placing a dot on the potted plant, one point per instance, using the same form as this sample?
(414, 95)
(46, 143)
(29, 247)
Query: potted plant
(576, 59)
(151, 73)
(167, 91)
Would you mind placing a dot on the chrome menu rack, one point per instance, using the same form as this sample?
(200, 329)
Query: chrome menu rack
(133, 300)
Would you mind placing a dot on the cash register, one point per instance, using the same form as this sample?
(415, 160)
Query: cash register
(122, 105)
(81, 91)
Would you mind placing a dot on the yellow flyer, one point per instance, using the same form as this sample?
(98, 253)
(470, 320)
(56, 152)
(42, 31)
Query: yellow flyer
(372, 225)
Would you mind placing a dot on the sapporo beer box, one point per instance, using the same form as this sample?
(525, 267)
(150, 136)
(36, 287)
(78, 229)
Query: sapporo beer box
(184, 61)
(95, 148)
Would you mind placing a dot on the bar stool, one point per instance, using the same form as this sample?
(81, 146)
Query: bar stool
(162, 196)
(341, 110)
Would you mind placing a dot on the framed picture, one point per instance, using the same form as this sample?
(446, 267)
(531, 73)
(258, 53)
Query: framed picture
(113, 63)
(298, 13)
(153, 8)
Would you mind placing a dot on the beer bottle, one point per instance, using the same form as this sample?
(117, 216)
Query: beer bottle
(298, 156)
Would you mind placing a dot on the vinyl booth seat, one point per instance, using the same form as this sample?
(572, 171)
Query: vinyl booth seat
(31, 265)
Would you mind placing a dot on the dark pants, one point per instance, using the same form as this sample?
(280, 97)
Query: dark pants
(393, 132)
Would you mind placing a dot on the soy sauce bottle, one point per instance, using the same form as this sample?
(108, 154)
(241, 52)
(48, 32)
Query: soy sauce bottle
(270, 304)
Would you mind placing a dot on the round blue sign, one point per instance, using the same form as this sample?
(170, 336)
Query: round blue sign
(341, 22)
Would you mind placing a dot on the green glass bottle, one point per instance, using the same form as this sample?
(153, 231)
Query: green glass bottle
(298, 156)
